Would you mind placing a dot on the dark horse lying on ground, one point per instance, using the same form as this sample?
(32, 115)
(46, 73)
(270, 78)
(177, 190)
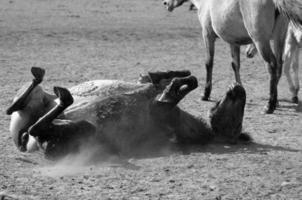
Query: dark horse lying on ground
(126, 117)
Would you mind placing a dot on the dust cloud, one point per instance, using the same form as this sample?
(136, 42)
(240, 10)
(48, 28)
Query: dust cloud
(89, 158)
(95, 158)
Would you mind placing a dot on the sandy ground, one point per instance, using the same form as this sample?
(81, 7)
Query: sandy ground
(80, 40)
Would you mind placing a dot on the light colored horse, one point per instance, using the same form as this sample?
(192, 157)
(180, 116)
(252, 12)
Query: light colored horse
(240, 22)
(293, 43)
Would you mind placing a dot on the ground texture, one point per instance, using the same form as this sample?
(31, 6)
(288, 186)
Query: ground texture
(80, 40)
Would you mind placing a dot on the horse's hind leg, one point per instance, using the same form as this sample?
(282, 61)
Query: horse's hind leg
(295, 67)
(173, 93)
(291, 59)
(266, 52)
(157, 77)
(177, 90)
(235, 51)
(162, 79)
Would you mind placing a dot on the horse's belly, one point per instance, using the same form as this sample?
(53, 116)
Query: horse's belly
(98, 98)
(227, 21)
(124, 122)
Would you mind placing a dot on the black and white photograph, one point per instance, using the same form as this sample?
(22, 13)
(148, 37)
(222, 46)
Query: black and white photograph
(150, 100)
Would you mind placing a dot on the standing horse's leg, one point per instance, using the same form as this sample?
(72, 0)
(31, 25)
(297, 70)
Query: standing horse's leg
(209, 41)
(266, 52)
(235, 51)
(279, 35)
(290, 55)
(295, 67)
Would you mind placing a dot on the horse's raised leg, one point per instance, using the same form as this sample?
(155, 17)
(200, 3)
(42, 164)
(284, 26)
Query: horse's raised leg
(235, 51)
(266, 52)
(45, 121)
(157, 77)
(188, 129)
(209, 41)
(178, 89)
(173, 93)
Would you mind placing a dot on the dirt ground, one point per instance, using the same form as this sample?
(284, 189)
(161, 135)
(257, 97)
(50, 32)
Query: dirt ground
(80, 40)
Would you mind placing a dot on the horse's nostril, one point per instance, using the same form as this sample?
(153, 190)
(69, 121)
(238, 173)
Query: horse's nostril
(165, 3)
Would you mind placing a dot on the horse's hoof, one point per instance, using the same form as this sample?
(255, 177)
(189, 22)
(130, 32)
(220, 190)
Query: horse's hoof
(205, 98)
(295, 99)
(38, 73)
(269, 109)
(64, 96)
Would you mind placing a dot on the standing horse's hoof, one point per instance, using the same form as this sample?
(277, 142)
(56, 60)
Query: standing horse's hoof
(205, 98)
(269, 109)
(295, 99)
(206, 94)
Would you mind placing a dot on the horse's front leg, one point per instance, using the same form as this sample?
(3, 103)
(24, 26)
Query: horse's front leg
(266, 52)
(235, 52)
(279, 36)
(39, 129)
(209, 41)
(57, 137)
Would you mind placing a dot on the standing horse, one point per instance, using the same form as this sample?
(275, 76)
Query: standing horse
(240, 22)
(293, 43)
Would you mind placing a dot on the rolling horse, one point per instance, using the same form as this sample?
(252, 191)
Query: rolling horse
(124, 118)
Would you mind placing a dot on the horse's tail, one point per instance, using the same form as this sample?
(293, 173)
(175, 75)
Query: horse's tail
(292, 9)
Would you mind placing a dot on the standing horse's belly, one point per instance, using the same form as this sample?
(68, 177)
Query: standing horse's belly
(228, 23)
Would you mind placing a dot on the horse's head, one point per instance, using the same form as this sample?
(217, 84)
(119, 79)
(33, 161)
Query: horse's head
(171, 4)
(30, 103)
(227, 116)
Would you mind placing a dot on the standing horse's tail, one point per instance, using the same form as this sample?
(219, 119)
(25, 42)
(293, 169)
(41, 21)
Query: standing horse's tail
(291, 8)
